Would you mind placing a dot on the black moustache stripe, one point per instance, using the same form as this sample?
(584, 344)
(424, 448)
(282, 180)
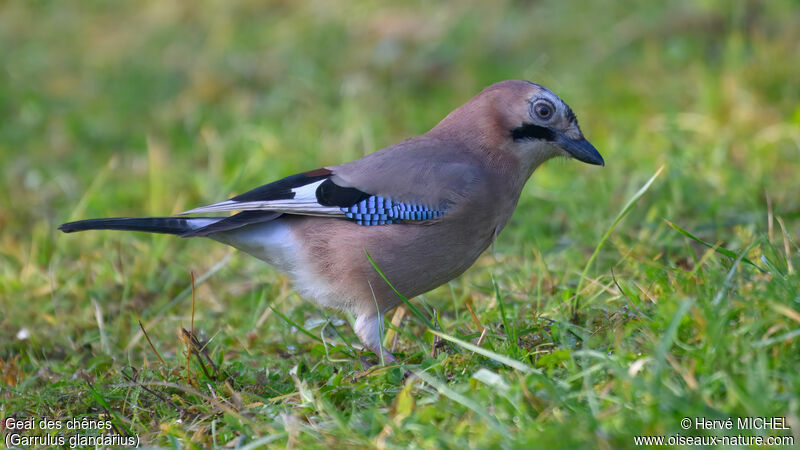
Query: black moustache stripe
(531, 131)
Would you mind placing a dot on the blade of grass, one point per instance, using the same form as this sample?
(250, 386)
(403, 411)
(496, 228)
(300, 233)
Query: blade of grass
(191, 333)
(463, 401)
(306, 332)
(102, 401)
(724, 251)
(669, 336)
(625, 210)
(411, 307)
(786, 337)
(554, 386)
(325, 344)
(262, 441)
(787, 236)
(511, 332)
(391, 331)
(513, 363)
(786, 249)
(151, 343)
(98, 315)
(296, 325)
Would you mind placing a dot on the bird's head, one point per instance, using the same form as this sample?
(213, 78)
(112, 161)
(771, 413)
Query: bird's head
(525, 119)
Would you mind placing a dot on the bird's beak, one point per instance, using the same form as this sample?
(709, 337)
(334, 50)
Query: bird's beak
(580, 149)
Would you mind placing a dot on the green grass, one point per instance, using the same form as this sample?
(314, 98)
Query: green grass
(138, 108)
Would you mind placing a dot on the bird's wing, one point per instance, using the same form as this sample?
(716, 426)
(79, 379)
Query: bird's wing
(399, 184)
(295, 194)
(421, 170)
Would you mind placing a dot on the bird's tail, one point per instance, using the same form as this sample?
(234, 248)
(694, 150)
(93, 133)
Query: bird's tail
(166, 225)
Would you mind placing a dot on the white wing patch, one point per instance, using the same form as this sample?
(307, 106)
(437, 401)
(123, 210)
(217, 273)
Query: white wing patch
(304, 203)
(307, 192)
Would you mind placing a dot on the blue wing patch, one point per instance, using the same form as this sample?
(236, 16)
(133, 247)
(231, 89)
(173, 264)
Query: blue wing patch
(376, 210)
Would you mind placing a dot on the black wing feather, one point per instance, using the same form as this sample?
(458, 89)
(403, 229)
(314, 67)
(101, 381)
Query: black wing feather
(331, 194)
(282, 189)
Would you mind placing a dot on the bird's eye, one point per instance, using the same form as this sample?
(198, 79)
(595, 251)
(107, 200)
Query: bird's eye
(543, 109)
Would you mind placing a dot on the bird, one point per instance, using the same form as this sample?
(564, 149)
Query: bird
(421, 211)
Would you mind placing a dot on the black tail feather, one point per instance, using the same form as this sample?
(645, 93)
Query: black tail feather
(166, 225)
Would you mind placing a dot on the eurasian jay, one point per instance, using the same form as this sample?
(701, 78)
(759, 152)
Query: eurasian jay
(424, 209)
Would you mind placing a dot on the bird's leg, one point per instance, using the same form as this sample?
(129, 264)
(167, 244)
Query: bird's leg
(367, 328)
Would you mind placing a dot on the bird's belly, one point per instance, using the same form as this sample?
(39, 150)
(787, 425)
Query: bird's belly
(413, 258)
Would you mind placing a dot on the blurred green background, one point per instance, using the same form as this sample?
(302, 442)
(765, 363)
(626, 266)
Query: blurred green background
(152, 107)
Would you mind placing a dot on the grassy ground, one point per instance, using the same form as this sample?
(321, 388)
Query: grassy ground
(145, 108)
